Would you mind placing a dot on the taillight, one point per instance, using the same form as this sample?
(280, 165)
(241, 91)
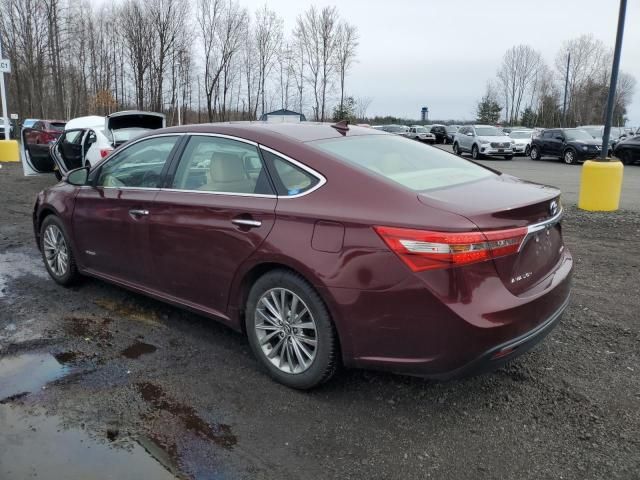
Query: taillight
(104, 152)
(428, 250)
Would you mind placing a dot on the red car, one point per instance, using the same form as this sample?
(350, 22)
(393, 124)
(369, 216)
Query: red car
(324, 245)
(44, 132)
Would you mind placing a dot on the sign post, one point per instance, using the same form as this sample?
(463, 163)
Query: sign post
(5, 67)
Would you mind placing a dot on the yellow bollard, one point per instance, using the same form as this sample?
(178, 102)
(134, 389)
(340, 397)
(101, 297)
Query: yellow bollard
(9, 151)
(600, 186)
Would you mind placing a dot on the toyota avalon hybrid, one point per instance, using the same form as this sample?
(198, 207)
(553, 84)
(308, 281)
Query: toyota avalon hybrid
(325, 245)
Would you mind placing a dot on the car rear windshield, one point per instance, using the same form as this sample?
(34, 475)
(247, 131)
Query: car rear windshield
(57, 126)
(409, 163)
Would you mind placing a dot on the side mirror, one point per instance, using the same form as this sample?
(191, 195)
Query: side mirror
(469, 134)
(78, 177)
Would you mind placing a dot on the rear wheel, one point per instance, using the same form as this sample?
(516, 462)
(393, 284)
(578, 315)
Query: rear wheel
(290, 330)
(56, 251)
(627, 157)
(456, 149)
(527, 150)
(569, 156)
(475, 153)
(534, 153)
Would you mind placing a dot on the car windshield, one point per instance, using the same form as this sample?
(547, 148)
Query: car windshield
(520, 134)
(577, 134)
(489, 132)
(421, 130)
(615, 132)
(452, 129)
(57, 126)
(411, 164)
(593, 131)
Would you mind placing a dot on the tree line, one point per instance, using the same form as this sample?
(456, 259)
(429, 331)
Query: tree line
(528, 92)
(206, 60)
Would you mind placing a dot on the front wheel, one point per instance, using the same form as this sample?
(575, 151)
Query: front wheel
(627, 157)
(475, 153)
(456, 149)
(290, 330)
(56, 251)
(569, 157)
(527, 151)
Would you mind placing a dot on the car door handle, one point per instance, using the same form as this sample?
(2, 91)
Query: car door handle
(246, 222)
(135, 212)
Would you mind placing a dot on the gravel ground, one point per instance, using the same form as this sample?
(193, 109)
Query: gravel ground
(110, 377)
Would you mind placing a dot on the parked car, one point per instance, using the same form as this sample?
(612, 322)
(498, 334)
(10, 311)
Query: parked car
(521, 141)
(11, 133)
(628, 150)
(418, 132)
(572, 145)
(88, 140)
(29, 122)
(440, 132)
(322, 244)
(451, 132)
(481, 141)
(597, 132)
(402, 130)
(44, 132)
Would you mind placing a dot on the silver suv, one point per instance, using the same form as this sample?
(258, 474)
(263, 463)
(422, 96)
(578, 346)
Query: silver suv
(481, 141)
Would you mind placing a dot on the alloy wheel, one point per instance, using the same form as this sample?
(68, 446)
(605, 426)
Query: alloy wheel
(474, 152)
(568, 157)
(286, 330)
(534, 153)
(55, 250)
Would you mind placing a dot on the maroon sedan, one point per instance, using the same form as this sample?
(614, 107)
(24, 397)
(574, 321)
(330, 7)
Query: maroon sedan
(324, 245)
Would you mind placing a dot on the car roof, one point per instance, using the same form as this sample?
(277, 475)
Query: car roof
(91, 121)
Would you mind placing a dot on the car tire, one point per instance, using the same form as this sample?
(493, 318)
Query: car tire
(527, 151)
(627, 157)
(569, 156)
(508, 157)
(534, 154)
(456, 149)
(475, 153)
(277, 343)
(57, 252)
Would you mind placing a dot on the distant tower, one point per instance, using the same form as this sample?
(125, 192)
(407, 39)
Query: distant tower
(424, 114)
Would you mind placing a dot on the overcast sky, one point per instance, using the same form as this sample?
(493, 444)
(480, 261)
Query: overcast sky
(440, 54)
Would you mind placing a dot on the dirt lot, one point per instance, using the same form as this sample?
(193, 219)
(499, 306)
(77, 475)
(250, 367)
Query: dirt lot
(99, 382)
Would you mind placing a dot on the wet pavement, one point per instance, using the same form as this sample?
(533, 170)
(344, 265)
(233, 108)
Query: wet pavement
(97, 382)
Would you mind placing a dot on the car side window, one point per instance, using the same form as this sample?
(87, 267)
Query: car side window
(137, 166)
(221, 165)
(547, 134)
(289, 179)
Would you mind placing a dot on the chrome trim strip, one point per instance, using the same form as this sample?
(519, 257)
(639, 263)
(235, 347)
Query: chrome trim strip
(536, 227)
(222, 135)
(236, 194)
(319, 176)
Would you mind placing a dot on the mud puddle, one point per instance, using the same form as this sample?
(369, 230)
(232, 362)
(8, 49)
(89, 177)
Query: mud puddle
(33, 444)
(138, 349)
(28, 373)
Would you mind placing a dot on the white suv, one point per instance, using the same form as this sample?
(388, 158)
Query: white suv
(481, 141)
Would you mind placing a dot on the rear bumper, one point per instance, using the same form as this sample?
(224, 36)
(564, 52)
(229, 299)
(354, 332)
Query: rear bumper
(448, 323)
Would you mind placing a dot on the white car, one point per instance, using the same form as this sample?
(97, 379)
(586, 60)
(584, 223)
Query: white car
(482, 141)
(418, 132)
(521, 141)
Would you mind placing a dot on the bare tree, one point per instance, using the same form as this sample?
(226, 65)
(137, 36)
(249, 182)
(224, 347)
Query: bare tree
(516, 75)
(137, 33)
(362, 105)
(268, 36)
(346, 45)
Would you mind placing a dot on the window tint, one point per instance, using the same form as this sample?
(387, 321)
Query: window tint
(411, 164)
(547, 134)
(214, 164)
(138, 166)
(289, 179)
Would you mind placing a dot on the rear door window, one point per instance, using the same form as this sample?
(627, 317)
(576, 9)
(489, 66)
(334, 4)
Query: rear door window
(221, 165)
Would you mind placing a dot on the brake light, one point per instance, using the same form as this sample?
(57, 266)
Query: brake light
(428, 250)
(104, 152)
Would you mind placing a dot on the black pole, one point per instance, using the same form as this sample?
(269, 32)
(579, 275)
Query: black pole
(614, 80)
(566, 86)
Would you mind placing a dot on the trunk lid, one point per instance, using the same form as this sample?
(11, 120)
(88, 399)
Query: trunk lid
(504, 202)
(123, 126)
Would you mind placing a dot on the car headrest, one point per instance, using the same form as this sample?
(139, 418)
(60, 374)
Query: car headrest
(226, 167)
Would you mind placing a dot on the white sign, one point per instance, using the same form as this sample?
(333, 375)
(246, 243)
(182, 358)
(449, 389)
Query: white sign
(14, 116)
(5, 65)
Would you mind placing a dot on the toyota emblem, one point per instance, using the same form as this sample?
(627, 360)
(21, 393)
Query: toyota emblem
(553, 208)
